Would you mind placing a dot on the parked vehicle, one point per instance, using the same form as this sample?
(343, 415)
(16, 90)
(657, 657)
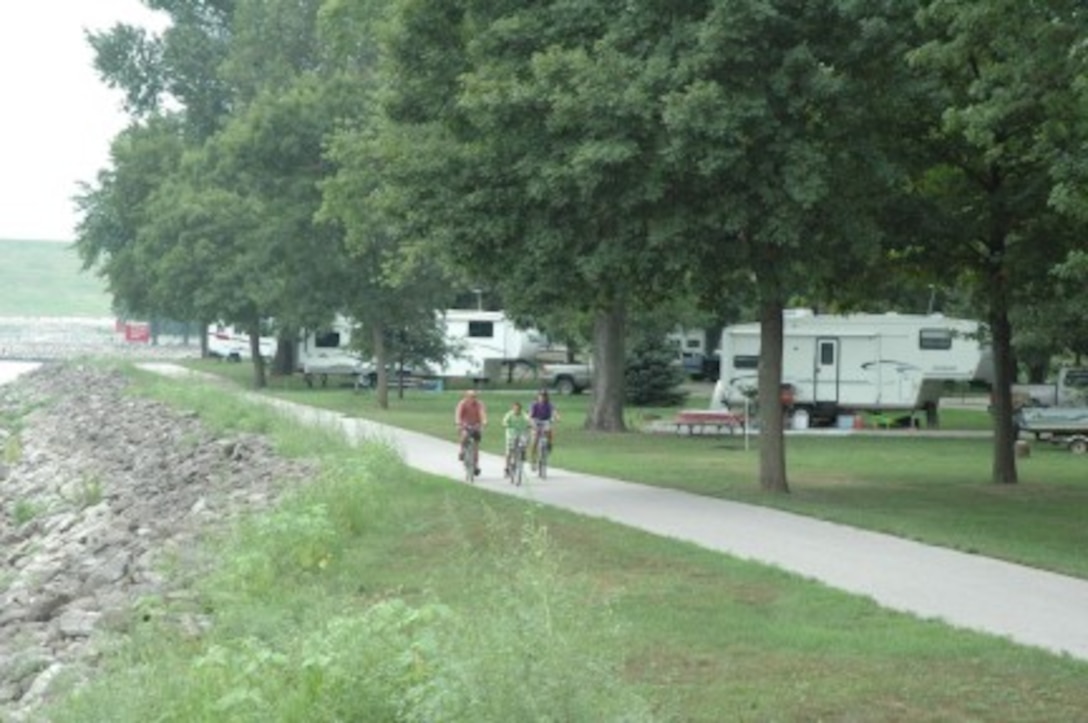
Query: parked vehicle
(407, 376)
(839, 365)
(325, 353)
(1061, 425)
(228, 343)
(566, 378)
(1070, 388)
(691, 350)
(483, 341)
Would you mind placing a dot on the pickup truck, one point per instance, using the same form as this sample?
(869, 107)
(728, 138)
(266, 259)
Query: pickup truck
(1070, 389)
(566, 378)
(1062, 425)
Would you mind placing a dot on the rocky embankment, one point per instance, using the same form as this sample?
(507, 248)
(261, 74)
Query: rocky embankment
(98, 489)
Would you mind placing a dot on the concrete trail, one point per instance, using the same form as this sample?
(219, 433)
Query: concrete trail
(1026, 605)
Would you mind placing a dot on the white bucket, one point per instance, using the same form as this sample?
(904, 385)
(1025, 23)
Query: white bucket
(800, 419)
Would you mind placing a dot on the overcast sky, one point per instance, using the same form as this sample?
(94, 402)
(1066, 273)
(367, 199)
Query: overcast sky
(56, 117)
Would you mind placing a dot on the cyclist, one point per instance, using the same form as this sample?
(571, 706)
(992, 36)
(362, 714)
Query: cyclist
(542, 414)
(470, 416)
(516, 423)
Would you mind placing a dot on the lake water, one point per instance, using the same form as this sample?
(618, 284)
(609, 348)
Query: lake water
(9, 370)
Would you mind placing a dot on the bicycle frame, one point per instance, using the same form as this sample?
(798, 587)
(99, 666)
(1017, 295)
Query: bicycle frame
(515, 468)
(541, 445)
(470, 441)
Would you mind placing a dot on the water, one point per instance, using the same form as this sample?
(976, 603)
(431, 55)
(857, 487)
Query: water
(9, 370)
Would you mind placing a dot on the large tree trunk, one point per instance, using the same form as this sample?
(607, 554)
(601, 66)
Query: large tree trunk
(286, 354)
(772, 446)
(377, 338)
(609, 358)
(260, 379)
(1004, 460)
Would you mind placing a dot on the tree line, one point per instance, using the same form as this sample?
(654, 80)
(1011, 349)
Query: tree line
(595, 160)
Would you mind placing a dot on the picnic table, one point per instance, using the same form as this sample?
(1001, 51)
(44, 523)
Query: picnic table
(705, 420)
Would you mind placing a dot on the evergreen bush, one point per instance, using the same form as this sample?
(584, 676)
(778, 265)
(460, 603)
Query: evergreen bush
(652, 377)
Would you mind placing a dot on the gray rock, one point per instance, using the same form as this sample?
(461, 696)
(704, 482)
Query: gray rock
(118, 485)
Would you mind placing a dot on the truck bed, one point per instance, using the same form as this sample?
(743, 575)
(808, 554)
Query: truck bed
(1054, 420)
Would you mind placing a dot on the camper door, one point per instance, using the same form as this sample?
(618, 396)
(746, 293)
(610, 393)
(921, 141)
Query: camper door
(825, 377)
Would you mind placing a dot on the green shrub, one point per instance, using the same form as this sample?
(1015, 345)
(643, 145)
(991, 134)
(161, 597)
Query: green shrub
(26, 510)
(652, 376)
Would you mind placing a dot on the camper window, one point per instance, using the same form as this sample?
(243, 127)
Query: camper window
(481, 329)
(827, 353)
(935, 339)
(327, 340)
(745, 362)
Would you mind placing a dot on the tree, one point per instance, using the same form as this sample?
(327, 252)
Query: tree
(396, 282)
(777, 131)
(117, 207)
(543, 139)
(1001, 75)
(179, 67)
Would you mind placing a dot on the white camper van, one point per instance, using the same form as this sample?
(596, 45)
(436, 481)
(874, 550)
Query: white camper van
(481, 339)
(327, 352)
(691, 350)
(227, 342)
(861, 362)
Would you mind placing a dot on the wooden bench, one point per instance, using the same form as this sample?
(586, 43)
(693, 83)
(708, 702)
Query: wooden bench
(705, 420)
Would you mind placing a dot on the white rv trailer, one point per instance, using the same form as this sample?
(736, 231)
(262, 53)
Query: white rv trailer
(477, 339)
(481, 339)
(860, 362)
(227, 342)
(327, 352)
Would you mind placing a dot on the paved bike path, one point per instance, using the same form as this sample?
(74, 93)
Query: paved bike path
(1029, 606)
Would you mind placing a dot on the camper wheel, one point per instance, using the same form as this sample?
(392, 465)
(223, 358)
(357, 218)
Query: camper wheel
(1078, 445)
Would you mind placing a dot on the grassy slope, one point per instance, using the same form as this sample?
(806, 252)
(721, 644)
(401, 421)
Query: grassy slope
(702, 636)
(39, 278)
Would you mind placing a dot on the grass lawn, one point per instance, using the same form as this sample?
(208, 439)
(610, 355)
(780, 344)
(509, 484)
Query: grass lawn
(936, 490)
(40, 278)
(381, 590)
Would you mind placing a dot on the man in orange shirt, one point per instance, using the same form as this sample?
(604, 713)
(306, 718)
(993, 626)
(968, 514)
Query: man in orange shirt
(470, 418)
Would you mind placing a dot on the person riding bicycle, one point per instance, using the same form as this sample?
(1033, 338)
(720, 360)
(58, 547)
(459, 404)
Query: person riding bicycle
(542, 414)
(470, 416)
(516, 423)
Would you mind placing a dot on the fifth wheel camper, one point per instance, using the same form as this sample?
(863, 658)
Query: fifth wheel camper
(841, 364)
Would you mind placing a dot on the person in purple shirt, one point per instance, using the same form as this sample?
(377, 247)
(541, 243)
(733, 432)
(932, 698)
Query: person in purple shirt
(543, 414)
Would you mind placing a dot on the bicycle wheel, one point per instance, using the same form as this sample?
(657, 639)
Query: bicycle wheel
(517, 474)
(542, 456)
(469, 449)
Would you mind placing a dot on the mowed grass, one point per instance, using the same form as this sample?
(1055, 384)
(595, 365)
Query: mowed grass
(39, 278)
(698, 636)
(932, 489)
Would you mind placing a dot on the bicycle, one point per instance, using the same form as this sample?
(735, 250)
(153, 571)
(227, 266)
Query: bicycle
(515, 463)
(470, 441)
(540, 441)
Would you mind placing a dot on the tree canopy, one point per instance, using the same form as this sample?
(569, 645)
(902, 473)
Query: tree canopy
(593, 162)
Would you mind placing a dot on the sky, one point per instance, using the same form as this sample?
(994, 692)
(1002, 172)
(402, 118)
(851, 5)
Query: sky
(56, 117)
